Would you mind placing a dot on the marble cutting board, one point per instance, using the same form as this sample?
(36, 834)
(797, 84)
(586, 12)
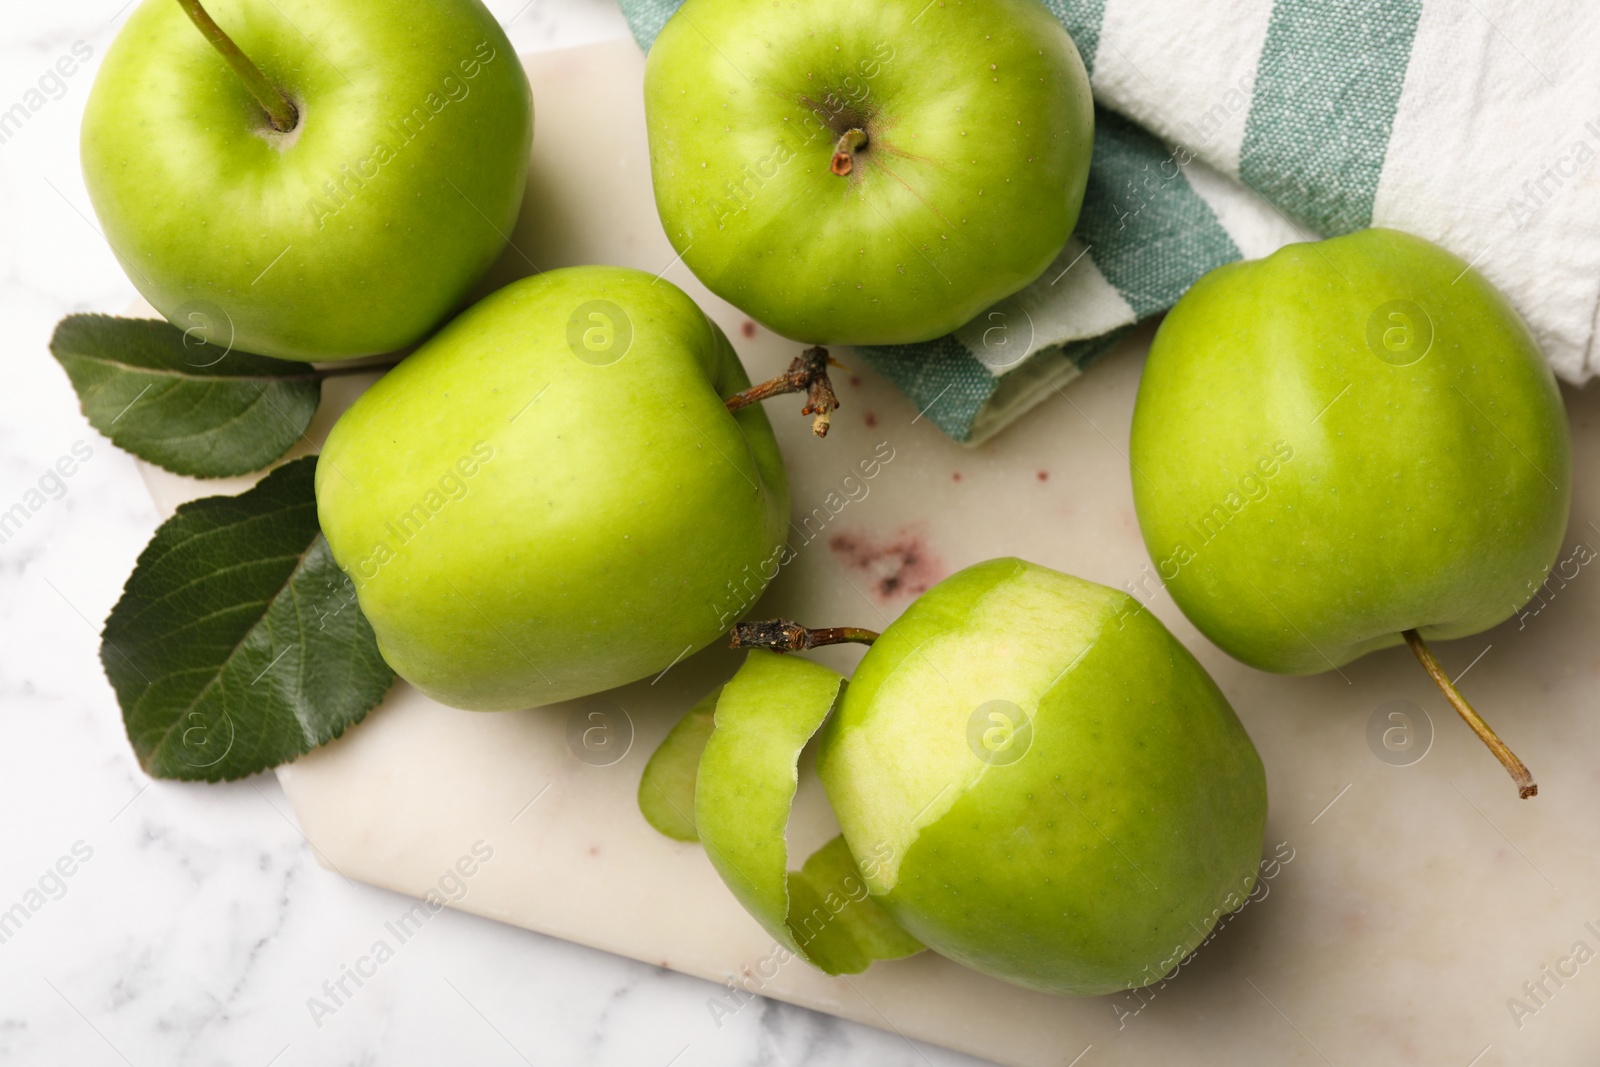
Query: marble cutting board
(1413, 897)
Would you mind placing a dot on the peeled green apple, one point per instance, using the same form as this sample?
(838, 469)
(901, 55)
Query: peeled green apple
(1034, 777)
(549, 497)
(1345, 445)
(352, 223)
(867, 173)
(1105, 852)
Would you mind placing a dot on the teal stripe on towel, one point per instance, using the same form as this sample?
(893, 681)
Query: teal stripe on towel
(646, 17)
(945, 381)
(1146, 228)
(1326, 89)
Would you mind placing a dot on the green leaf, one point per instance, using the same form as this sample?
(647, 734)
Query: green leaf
(180, 401)
(238, 644)
(666, 790)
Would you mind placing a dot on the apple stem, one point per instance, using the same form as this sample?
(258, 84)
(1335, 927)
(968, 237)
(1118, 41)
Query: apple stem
(1518, 771)
(781, 635)
(280, 111)
(808, 374)
(844, 153)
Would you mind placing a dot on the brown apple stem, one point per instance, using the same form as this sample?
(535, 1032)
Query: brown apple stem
(781, 635)
(844, 153)
(1514, 766)
(808, 374)
(277, 106)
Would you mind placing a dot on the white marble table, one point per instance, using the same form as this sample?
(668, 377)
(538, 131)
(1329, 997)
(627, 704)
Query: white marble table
(197, 920)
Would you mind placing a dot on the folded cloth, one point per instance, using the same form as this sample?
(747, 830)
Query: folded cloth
(1227, 128)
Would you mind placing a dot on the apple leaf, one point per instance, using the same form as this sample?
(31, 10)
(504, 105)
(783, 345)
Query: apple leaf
(172, 397)
(666, 790)
(744, 790)
(238, 643)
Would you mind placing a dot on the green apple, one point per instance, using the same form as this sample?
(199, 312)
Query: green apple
(1034, 777)
(352, 222)
(867, 173)
(1345, 442)
(1063, 796)
(550, 497)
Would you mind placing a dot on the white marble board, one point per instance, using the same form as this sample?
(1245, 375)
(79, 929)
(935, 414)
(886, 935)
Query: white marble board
(1418, 900)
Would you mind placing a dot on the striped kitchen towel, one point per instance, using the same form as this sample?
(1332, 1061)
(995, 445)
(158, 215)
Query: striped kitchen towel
(1227, 128)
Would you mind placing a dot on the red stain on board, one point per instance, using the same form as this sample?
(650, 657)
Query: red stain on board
(897, 567)
(956, 475)
(748, 328)
(872, 418)
(1044, 476)
(855, 381)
